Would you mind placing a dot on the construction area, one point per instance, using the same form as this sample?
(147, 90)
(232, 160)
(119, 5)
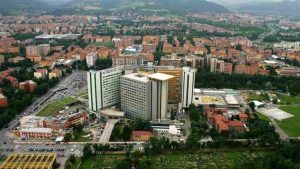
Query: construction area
(29, 160)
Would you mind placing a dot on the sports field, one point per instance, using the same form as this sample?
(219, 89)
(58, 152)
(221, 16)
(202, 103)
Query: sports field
(56, 106)
(291, 126)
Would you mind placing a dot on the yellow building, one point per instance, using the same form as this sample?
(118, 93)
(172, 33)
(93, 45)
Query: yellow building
(29, 160)
(174, 93)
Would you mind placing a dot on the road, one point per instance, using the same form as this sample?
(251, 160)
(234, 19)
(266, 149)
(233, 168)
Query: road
(104, 139)
(270, 31)
(279, 131)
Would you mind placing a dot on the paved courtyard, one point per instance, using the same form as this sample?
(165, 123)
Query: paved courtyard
(275, 113)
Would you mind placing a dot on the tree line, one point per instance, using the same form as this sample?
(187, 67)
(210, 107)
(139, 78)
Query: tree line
(206, 79)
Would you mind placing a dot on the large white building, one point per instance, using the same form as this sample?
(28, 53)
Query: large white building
(103, 88)
(159, 95)
(91, 59)
(145, 96)
(188, 84)
(135, 101)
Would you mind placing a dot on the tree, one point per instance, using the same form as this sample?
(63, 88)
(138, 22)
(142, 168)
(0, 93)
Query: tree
(194, 113)
(173, 115)
(68, 137)
(126, 133)
(87, 152)
(124, 164)
(72, 159)
(69, 70)
(103, 64)
(252, 106)
(156, 145)
(193, 141)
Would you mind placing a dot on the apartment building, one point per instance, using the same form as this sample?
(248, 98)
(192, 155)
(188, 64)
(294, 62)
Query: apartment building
(188, 84)
(91, 59)
(175, 84)
(103, 88)
(145, 96)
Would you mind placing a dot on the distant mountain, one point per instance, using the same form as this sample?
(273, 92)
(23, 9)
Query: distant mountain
(34, 6)
(17, 6)
(170, 5)
(289, 7)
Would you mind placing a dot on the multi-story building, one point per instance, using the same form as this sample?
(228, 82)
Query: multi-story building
(128, 61)
(228, 67)
(42, 133)
(175, 84)
(145, 96)
(217, 65)
(103, 88)
(170, 61)
(32, 51)
(57, 73)
(44, 49)
(40, 73)
(3, 101)
(188, 82)
(91, 59)
(28, 86)
(159, 95)
(135, 92)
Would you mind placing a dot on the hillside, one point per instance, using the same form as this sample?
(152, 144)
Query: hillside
(170, 5)
(33, 6)
(18, 6)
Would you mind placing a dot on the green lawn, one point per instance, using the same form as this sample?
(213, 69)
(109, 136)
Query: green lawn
(179, 160)
(56, 106)
(259, 97)
(291, 126)
(262, 116)
(106, 44)
(102, 161)
(285, 99)
(75, 165)
(78, 137)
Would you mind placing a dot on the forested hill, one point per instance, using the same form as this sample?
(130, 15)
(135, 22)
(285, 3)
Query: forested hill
(171, 5)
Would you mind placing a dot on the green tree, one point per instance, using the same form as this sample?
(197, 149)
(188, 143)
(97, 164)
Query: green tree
(68, 137)
(126, 133)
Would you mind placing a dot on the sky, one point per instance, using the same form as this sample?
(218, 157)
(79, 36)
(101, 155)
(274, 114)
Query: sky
(240, 2)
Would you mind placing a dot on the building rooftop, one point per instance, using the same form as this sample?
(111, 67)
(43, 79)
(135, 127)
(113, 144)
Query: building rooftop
(34, 160)
(160, 76)
(137, 77)
(231, 99)
(36, 130)
(141, 133)
(112, 113)
(2, 96)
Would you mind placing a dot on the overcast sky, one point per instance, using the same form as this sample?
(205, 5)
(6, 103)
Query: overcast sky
(239, 2)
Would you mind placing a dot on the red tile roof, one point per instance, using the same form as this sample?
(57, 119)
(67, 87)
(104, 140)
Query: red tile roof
(243, 115)
(141, 133)
(222, 126)
(236, 124)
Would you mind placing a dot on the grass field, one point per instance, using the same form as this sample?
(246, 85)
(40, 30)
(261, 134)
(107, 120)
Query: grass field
(285, 99)
(259, 97)
(102, 161)
(79, 137)
(75, 165)
(56, 106)
(291, 126)
(262, 116)
(179, 160)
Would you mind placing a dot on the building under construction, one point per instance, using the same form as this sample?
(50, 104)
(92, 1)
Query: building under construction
(29, 161)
